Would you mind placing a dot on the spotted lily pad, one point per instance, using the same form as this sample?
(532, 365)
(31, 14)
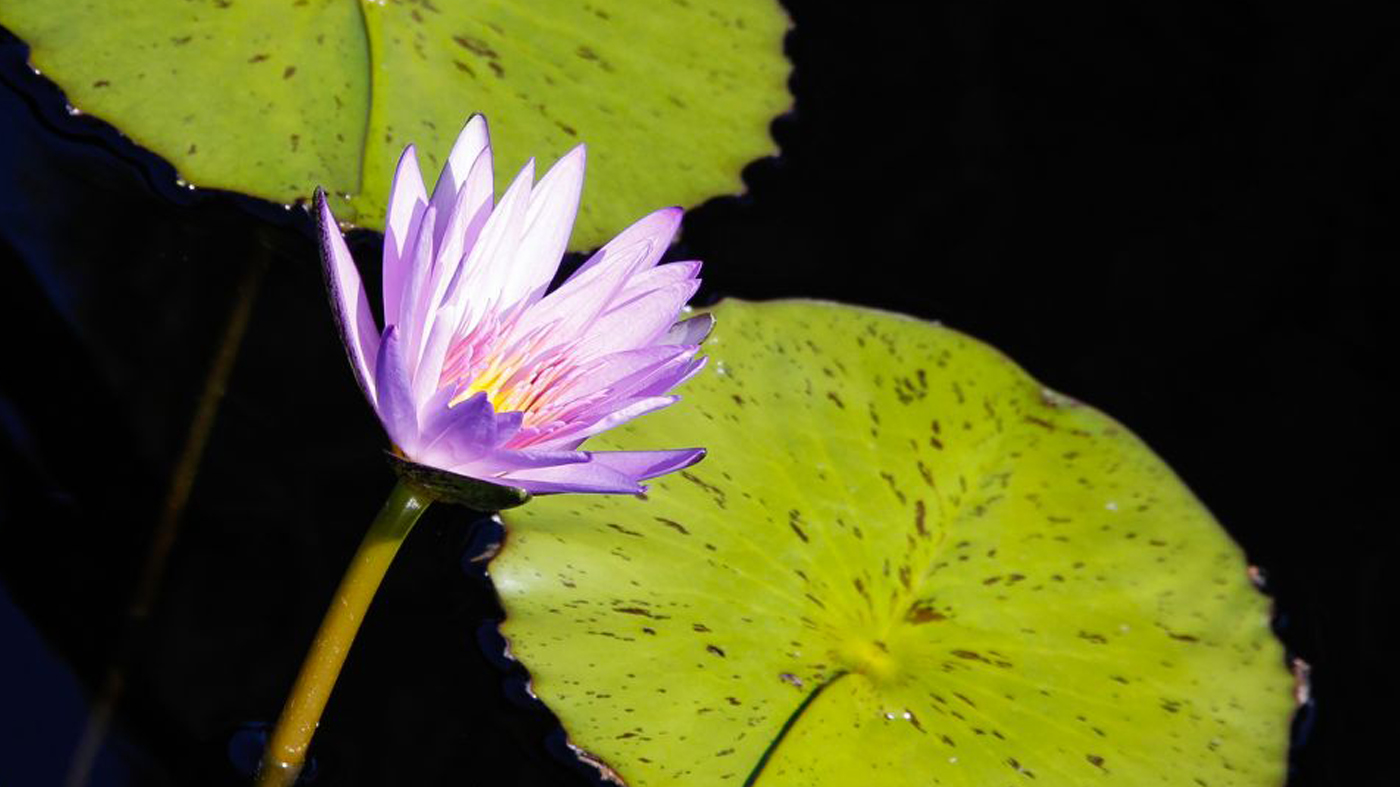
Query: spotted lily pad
(276, 97)
(903, 563)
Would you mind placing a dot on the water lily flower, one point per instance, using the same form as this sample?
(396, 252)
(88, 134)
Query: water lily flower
(481, 372)
(482, 375)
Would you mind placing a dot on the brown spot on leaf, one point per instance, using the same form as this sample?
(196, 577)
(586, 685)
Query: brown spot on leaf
(646, 613)
(921, 612)
(476, 46)
(794, 518)
(714, 491)
(673, 524)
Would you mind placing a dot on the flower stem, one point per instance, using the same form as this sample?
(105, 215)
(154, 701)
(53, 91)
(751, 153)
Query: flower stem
(286, 749)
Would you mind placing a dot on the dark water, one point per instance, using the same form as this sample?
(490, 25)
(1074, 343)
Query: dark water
(1183, 214)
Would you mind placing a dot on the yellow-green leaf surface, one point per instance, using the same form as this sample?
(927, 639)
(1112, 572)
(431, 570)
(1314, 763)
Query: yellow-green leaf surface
(904, 562)
(276, 97)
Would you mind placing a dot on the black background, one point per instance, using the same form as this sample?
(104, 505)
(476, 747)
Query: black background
(1184, 214)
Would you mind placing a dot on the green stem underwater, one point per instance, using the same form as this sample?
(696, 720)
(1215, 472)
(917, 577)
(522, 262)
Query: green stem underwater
(177, 496)
(286, 749)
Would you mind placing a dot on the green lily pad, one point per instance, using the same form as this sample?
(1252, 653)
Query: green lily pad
(274, 98)
(904, 562)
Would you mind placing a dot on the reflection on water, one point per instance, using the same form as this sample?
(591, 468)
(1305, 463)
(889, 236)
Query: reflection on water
(43, 711)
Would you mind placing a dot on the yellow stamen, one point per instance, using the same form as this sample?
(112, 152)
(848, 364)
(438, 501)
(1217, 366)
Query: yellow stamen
(490, 381)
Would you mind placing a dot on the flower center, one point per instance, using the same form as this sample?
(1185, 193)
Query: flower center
(512, 384)
(493, 382)
(527, 374)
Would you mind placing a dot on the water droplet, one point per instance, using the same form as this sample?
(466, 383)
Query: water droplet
(245, 751)
(1111, 505)
(721, 369)
(245, 747)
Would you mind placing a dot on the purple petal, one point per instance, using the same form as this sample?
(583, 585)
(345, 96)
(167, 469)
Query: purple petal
(657, 278)
(589, 399)
(504, 461)
(437, 415)
(471, 141)
(349, 305)
(428, 373)
(445, 304)
(548, 223)
(691, 331)
(394, 404)
(589, 476)
(478, 195)
(452, 436)
(464, 217)
(595, 286)
(638, 322)
(654, 381)
(640, 245)
(671, 379)
(616, 370)
(619, 413)
(407, 202)
(488, 263)
(590, 408)
(642, 465)
(571, 308)
(414, 308)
